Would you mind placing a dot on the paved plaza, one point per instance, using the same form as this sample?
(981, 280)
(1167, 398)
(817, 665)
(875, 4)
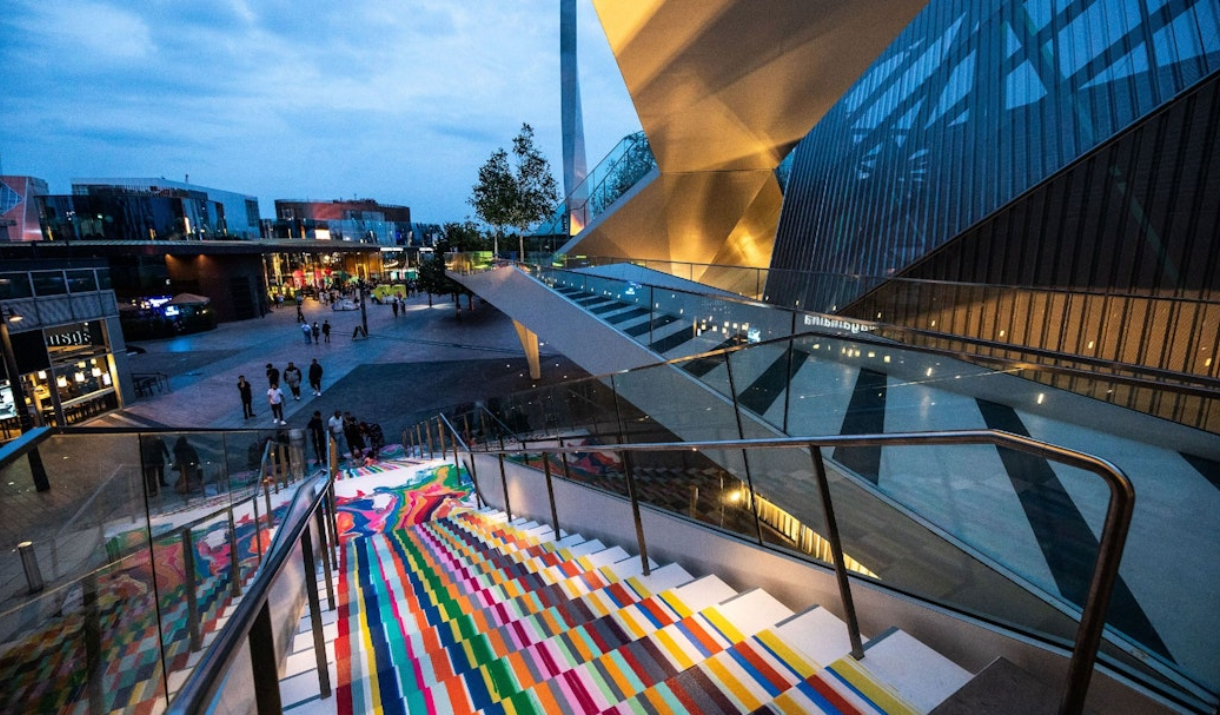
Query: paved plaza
(409, 367)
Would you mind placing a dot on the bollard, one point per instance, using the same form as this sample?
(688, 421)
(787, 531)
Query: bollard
(33, 575)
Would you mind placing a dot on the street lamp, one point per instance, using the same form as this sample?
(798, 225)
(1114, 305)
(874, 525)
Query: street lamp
(24, 418)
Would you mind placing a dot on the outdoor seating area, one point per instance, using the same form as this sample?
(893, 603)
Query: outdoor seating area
(148, 384)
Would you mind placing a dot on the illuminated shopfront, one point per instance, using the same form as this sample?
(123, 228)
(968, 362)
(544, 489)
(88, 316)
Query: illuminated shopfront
(67, 367)
(77, 382)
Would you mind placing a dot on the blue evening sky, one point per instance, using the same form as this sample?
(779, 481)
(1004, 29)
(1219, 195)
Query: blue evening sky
(395, 100)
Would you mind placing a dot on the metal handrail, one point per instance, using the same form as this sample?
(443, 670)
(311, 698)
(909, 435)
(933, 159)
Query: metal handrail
(250, 617)
(1110, 544)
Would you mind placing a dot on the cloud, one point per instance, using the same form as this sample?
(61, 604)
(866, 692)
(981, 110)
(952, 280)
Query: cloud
(397, 100)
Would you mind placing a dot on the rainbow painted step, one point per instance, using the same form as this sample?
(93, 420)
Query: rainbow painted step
(472, 613)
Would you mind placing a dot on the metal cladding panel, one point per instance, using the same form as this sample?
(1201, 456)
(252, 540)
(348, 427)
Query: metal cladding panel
(973, 105)
(730, 84)
(702, 217)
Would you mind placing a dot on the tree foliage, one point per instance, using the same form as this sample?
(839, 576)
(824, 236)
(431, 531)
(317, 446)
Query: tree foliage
(463, 236)
(515, 194)
(432, 279)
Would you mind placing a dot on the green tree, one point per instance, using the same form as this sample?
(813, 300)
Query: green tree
(462, 236)
(432, 279)
(516, 195)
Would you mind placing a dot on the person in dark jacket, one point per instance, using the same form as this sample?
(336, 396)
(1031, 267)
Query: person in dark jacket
(247, 397)
(317, 434)
(315, 377)
(273, 375)
(154, 454)
(292, 376)
(355, 441)
(186, 463)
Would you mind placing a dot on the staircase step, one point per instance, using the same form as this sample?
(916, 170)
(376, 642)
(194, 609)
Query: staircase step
(475, 612)
(924, 677)
(629, 669)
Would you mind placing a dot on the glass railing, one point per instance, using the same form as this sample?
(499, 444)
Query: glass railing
(712, 320)
(628, 162)
(979, 529)
(670, 476)
(240, 671)
(128, 547)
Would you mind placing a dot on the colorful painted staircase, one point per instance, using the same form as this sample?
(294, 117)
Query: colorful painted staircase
(469, 613)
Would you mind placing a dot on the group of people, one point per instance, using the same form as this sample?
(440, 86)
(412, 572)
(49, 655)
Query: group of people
(313, 332)
(291, 377)
(184, 459)
(359, 441)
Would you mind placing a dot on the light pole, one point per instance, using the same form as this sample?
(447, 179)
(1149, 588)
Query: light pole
(23, 410)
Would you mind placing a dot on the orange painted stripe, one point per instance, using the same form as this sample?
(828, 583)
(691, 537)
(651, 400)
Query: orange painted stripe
(546, 698)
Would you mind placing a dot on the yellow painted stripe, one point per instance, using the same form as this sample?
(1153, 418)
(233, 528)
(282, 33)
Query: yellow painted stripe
(671, 599)
(673, 648)
(627, 618)
(801, 663)
(717, 619)
(636, 585)
(729, 680)
(876, 691)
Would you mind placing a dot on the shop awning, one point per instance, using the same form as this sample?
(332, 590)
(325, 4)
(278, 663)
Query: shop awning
(188, 299)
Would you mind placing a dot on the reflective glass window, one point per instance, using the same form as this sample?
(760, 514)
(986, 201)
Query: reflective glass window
(49, 283)
(15, 285)
(81, 281)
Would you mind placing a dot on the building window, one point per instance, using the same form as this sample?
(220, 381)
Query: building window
(82, 281)
(15, 285)
(49, 283)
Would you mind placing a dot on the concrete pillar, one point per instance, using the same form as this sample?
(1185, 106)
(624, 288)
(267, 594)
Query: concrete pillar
(529, 342)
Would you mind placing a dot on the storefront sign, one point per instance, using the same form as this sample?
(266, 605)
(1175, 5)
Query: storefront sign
(74, 335)
(851, 326)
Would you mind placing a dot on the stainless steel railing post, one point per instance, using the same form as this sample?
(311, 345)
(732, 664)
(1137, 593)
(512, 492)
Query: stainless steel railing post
(635, 512)
(234, 557)
(258, 534)
(550, 493)
(836, 553)
(504, 482)
(324, 535)
(315, 609)
(192, 598)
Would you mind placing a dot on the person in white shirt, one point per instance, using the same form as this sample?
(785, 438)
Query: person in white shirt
(275, 398)
(335, 425)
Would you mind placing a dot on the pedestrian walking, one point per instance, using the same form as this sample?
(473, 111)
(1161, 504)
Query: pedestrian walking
(154, 455)
(275, 398)
(292, 378)
(247, 397)
(317, 434)
(315, 377)
(300, 315)
(307, 332)
(394, 305)
(326, 331)
(335, 425)
(315, 332)
(273, 375)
